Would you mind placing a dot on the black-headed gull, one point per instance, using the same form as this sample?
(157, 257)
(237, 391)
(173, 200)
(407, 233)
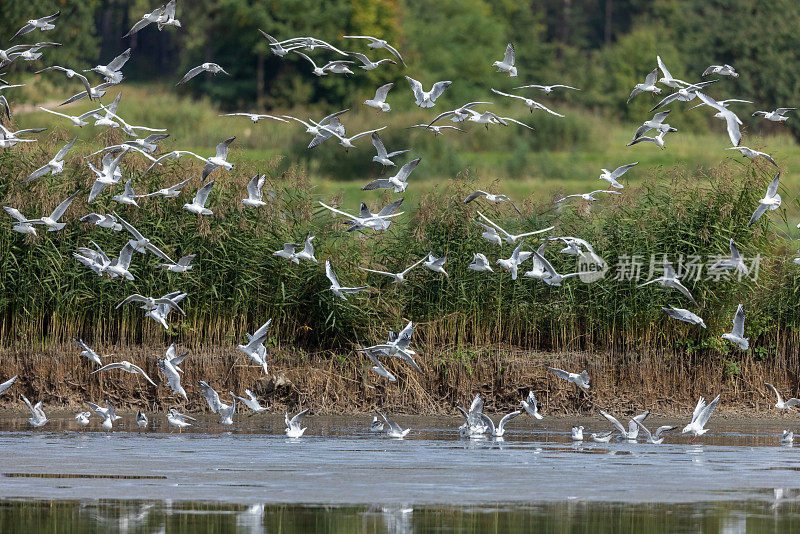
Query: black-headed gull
(649, 85)
(700, 416)
(778, 115)
(436, 129)
(397, 278)
(126, 366)
(225, 411)
(684, 94)
(787, 438)
(398, 182)
(781, 404)
(657, 437)
(630, 433)
(70, 74)
(128, 195)
(473, 425)
(378, 222)
(499, 430)
(771, 201)
(179, 420)
(589, 197)
(254, 194)
(209, 67)
(490, 197)
(602, 437)
(337, 288)
(531, 405)
(108, 414)
(577, 433)
(141, 419)
(376, 425)
(656, 123)
(87, 351)
(374, 42)
(398, 346)
(347, 142)
(255, 349)
(427, 99)
(38, 417)
(255, 117)
(383, 156)
(22, 224)
(753, 154)
(736, 336)
(579, 379)
(518, 257)
(83, 418)
(76, 120)
(547, 89)
(173, 377)
(103, 221)
(436, 264)
(682, 314)
(51, 221)
(480, 263)
(670, 280)
(198, 204)
(667, 78)
(735, 262)
(111, 72)
(532, 104)
(147, 18)
(732, 121)
(368, 64)
(511, 239)
(167, 17)
(507, 63)
(393, 430)
(251, 401)
(379, 101)
(378, 366)
(293, 429)
(658, 140)
(611, 176)
(289, 251)
(41, 24)
(722, 70)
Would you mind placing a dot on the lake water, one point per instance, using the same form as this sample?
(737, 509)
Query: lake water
(340, 477)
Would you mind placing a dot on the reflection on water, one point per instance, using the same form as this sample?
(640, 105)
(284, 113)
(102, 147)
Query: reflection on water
(568, 516)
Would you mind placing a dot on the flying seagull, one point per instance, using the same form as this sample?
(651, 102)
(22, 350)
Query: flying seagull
(425, 99)
(700, 416)
(611, 176)
(649, 85)
(589, 197)
(251, 401)
(172, 191)
(397, 278)
(173, 377)
(778, 115)
(771, 201)
(531, 406)
(22, 224)
(51, 221)
(398, 182)
(781, 405)
(254, 194)
(255, 117)
(42, 24)
(212, 68)
(255, 349)
(736, 336)
(337, 289)
(289, 251)
(507, 63)
(38, 417)
(722, 70)
(146, 19)
(379, 101)
(501, 234)
(500, 429)
(731, 120)
(198, 204)
(752, 154)
(378, 222)
(480, 263)
(735, 262)
(490, 197)
(125, 366)
(70, 74)
(111, 72)
(581, 380)
(293, 429)
(384, 157)
(547, 89)
(217, 406)
(368, 64)
(684, 315)
(378, 43)
(87, 351)
(657, 437)
(532, 104)
(670, 280)
(656, 123)
(632, 432)
(658, 140)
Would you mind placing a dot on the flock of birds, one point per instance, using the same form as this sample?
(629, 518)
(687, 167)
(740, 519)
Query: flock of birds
(109, 174)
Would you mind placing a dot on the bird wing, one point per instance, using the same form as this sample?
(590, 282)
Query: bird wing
(416, 87)
(438, 89)
(337, 211)
(211, 396)
(61, 208)
(38, 173)
(381, 183)
(772, 189)
(261, 333)
(508, 57)
(666, 100)
(407, 169)
(781, 111)
(560, 373)
(330, 274)
(382, 91)
(613, 420)
(619, 171)
(705, 413)
(651, 78)
(120, 60)
(485, 218)
(506, 418)
(634, 422)
(202, 194)
(378, 144)
(197, 70)
(390, 208)
(738, 321)
(63, 152)
(760, 210)
(297, 418)
(222, 148)
(7, 384)
(665, 72)
(475, 194)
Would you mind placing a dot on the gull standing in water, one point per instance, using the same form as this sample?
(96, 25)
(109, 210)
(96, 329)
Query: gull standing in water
(379, 101)
(507, 63)
(394, 430)
(771, 201)
(656, 438)
(51, 221)
(87, 351)
(480, 263)
(498, 431)
(473, 425)
(787, 438)
(632, 431)
(490, 197)
(427, 99)
(179, 420)
(54, 166)
(7, 384)
(700, 416)
(293, 429)
(602, 437)
(125, 366)
(384, 157)
(397, 278)
(216, 405)
(781, 405)
(577, 433)
(376, 425)
(209, 67)
(735, 262)
(141, 419)
(753, 154)
(684, 315)
(611, 176)
(83, 418)
(736, 336)
(532, 104)
(38, 417)
(581, 380)
(337, 289)
(398, 182)
(670, 280)
(198, 204)
(251, 401)
(649, 85)
(531, 405)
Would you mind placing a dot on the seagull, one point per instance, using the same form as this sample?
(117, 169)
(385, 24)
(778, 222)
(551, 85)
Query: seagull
(77, 120)
(70, 74)
(500, 429)
(724, 103)
(22, 224)
(787, 437)
(178, 420)
(532, 104)
(338, 67)
(517, 257)
(732, 121)
(212, 68)
(538, 271)
(125, 127)
(427, 99)
(436, 264)
(289, 253)
(589, 197)
(507, 63)
(368, 64)
(255, 349)
(42, 24)
(366, 219)
(577, 433)
(574, 245)
(94, 93)
(254, 195)
(87, 351)
(216, 405)
(505, 236)
(384, 157)
(378, 43)
(251, 401)
(658, 139)
(649, 85)
(379, 101)
(148, 144)
(548, 273)
(198, 204)
(347, 142)
(111, 72)
(398, 347)
(771, 201)
(277, 47)
(160, 313)
(656, 123)
(490, 197)
(684, 315)
(781, 405)
(83, 418)
(399, 181)
(316, 70)
(9, 138)
(378, 367)
(110, 173)
(128, 196)
(171, 355)
(255, 117)
(220, 159)
(321, 130)
(95, 259)
(752, 154)
(602, 437)
(670, 280)
(140, 243)
(125, 366)
(684, 94)
(779, 115)
(397, 278)
(633, 425)
(167, 17)
(581, 380)
(293, 429)
(474, 424)
(141, 419)
(169, 192)
(547, 89)
(337, 289)
(108, 414)
(150, 303)
(376, 425)
(146, 19)
(394, 430)
(531, 406)
(173, 377)
(611, 176)
(667, 78)
(459, 114)
(736, 336)
(722, 70)
(480, 263)
(7, 384)
(38, 418)
(437, 130)
(700, 417)
(735, 263)
(656, 438)
(51, 221)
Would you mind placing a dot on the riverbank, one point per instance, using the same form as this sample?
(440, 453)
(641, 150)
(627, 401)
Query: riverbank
(666, 383)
